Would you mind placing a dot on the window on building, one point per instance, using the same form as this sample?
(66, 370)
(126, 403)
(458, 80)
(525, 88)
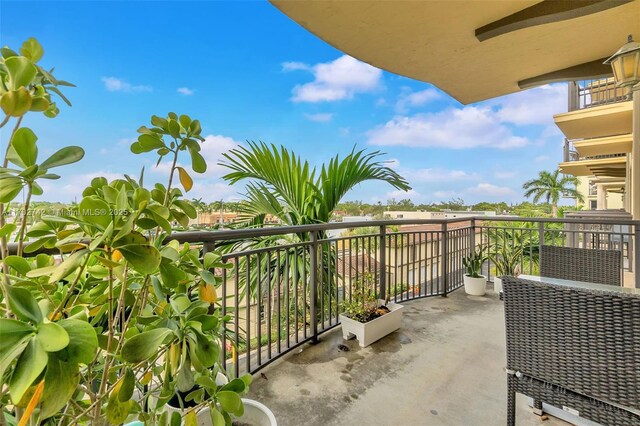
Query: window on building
(593, 204)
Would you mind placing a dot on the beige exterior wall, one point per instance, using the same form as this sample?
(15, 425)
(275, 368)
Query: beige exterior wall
(589, 190)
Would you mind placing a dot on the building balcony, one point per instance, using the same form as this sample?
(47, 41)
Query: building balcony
(598, 121)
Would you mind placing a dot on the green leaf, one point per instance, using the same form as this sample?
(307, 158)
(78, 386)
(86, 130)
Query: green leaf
(83, 342)
(32, 50)
(68, 266)
(7, 229)
(174, 128)
(236, 385)
(185, 179)
(64, 156)
(208, 277)
(60, 383)
(29, 366)
(94, 210)
(52, 337)
(23, 151)
(230, 401)
(10, 187)
(18, 263)
(144, 258)
(206, 350)
(187, 208)
(21, 72)
(128, 385)
(217, 418)
(171, 275)
(144, 345)
(149, 142)
(117, 411)
(198, 163)
(15, 336)
(23, 304)
(16, 102)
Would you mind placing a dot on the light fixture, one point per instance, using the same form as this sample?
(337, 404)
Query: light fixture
(626, 64)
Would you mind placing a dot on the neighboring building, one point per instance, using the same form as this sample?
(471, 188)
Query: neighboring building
(444, 214)
(599, 145)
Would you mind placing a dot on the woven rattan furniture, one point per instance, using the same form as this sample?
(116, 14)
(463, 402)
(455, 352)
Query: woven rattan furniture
(577, 264)
(574, 346)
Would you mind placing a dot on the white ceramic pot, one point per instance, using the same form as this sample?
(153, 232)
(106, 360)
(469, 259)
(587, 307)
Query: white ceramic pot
(475, 286)
(257, 414)
(497, 285)
(369, 332)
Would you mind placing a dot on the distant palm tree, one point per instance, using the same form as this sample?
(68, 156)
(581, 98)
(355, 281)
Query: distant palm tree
(200, 206)
(550, 186)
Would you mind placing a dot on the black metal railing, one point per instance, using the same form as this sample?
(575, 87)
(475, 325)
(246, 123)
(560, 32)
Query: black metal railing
(287, 294)
(287, 285)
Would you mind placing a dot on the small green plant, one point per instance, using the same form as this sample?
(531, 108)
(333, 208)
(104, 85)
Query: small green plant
(507, 261)
(473, 263)
(364, 306)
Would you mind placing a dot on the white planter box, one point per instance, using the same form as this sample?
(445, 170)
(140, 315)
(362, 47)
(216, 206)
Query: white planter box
(371, 331)
(497, 284)
(475, 286)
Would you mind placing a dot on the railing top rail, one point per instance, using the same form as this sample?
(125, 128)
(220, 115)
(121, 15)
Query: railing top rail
(231, 234)
(236, 234)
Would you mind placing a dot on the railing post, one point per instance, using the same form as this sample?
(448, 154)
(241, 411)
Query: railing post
(383, 262)
(636, 255)
(573, 103)
(472, 236)
(540, 241)
(445, 260)
(313, 285)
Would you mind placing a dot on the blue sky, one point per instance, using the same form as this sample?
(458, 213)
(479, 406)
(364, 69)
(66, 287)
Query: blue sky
(250, 73)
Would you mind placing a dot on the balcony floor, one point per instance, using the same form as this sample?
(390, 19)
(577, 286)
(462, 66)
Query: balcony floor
(445, 366)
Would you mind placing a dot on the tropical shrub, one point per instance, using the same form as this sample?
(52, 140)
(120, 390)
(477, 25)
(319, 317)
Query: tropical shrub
(104, 318)
(473, 263)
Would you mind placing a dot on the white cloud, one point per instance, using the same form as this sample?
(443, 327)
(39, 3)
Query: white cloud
(185, 91)
(504, 175)
(336, 80)
(295, 66)
(321, 117)
(541, 158)
(409, 99)
(534, 106)
(400, 194)
(491, 190)
(442, 195)
(113, 84)
(436, 175)
(469, 127)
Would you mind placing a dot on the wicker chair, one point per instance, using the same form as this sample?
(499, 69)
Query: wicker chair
(577, 264)
(576, 348)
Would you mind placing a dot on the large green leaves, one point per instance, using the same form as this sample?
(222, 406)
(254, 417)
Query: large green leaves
(144, 345)
(15, 336)
(83, 342)
(23, 151)
(32, 50)
(23, 304)
(60, 383)
(52, 337)
(62, 157)
(20, 71)
(144, 258)
(29, 366)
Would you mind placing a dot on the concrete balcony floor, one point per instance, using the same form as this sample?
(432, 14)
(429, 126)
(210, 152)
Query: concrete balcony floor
(445, 366)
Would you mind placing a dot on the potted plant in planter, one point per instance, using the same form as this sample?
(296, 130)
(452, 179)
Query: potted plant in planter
(368, 318)
(507, 262)
(119, 321)
(474, 283)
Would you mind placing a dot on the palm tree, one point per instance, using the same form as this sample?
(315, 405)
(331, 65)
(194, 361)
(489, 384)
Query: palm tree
(283, 185)
(200, 206)
(550, 187)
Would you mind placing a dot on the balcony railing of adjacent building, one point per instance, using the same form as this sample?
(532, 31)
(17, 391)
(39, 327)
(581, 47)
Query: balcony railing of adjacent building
(288, 285)
(591, 93)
